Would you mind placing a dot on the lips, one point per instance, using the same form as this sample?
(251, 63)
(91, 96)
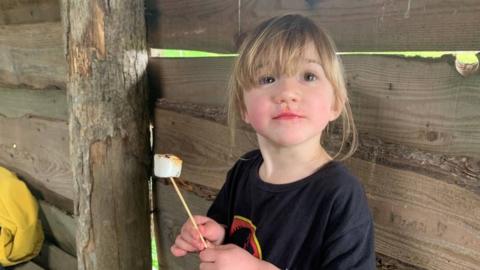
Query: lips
(287, 116)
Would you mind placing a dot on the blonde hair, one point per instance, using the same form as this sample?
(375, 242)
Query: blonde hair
(277, 46)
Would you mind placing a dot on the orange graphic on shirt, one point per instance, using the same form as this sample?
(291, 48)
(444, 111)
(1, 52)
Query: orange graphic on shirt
(242, 232)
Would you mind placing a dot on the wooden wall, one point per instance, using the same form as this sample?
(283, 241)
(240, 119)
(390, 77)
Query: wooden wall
(33, 119)
(419, 155)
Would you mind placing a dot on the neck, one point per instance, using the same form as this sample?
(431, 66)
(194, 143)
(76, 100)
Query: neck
(283, 165)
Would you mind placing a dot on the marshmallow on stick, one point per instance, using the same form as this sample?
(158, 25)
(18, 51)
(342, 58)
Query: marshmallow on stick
(169, 166)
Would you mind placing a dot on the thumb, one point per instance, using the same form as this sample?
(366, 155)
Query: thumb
(200, 220)
(212, 231)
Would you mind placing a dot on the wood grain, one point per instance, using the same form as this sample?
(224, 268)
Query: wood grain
(21, 102)
(29, 11)
(204, 145)
(115, 219)
(385, 262)
(53, 258)
(209, 25)
(458, 170)
(27, 266)
(59, 227)
(368, 25)
(196, 80)
(37, 150)
(422, 103)
(371, 25)
(32, 55)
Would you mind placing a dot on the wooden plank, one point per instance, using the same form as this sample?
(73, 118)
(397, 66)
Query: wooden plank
(210, 25)
(204, 145)
(368, 25)
(178, 80)
(58, 226)
(29, 11)
(431, 217)
(26, 266)
(32, 55)
(458, 170)
(20, 102)
(372, 25)
(53, 258)
(388, 263)
(421, 103)
(37, 150)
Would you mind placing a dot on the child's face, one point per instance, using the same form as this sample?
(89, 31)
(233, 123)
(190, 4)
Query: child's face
(291, 110)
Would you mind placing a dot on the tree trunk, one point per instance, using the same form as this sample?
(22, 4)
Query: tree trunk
(109, 139)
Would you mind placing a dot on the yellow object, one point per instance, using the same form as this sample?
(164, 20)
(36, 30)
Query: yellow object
(21, 234)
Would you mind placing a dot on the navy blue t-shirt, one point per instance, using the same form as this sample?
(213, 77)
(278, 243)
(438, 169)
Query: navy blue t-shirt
(319, 222)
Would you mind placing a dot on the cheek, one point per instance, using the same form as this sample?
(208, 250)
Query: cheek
(257, 112)
(323, 112)
(254, 120)
(322, 120)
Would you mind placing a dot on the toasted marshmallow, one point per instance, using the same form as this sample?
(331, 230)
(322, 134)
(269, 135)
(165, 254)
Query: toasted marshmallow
(166, 165)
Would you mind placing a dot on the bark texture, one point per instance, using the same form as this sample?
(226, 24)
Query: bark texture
(108, 126)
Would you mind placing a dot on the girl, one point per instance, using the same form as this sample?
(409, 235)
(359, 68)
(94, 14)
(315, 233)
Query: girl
(288, 205)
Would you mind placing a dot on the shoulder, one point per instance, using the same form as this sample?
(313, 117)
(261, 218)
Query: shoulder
(244, 165)
(341, 181)
(247, 160)
(347, 201)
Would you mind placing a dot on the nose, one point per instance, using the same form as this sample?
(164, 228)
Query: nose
(287, 91)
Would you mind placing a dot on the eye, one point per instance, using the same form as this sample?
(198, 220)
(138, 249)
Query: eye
(266, 80)
(309, 76)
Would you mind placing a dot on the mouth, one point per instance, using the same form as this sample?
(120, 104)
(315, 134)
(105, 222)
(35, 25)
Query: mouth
(287, 116)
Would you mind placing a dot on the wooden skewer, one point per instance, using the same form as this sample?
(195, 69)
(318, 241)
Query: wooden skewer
(188, 211)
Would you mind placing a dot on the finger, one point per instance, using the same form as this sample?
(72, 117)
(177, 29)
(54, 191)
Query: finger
(207, 266)
(204, 228)
(207, 255)
(194, 239)
(177, 252)
(201, 219)
(213, 231)
(182, 244)
(190, 234)
(225, 247)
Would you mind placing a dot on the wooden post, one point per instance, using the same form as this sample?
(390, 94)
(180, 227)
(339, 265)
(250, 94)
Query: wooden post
(108, 124)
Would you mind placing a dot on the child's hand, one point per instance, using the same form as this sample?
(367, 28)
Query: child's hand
(189, 240)
(231, 257)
